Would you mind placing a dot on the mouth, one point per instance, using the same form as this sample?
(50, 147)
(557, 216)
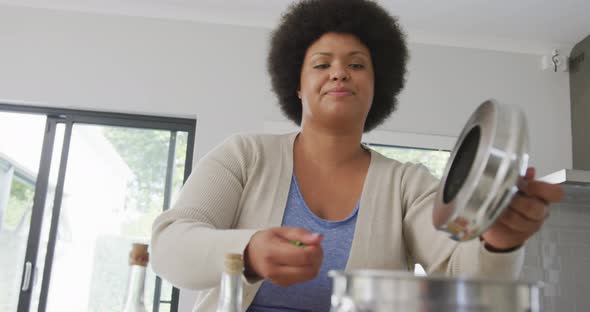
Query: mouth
(340, 92)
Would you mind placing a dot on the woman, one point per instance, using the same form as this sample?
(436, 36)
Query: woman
(336, 67)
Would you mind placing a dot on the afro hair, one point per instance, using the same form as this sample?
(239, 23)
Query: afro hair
(306, 21)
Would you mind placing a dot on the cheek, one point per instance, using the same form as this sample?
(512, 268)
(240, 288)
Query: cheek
(311, 87)
(314, 83)
(307, 92)
(369, 87)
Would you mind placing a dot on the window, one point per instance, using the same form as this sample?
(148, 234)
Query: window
(77, 188)
(433, 151)
(434, 160)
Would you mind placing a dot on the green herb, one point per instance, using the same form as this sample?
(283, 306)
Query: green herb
(298, 243)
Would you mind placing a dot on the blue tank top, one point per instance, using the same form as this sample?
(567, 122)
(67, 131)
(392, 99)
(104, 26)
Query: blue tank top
(313, 295)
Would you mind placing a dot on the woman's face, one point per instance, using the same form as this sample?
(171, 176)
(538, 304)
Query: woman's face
(337, 82)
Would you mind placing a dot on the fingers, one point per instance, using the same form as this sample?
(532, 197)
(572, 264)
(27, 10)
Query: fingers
(270, 255)
(287, 254)
(519, 223)
(502, 236)
(530, 173)
(289, 275)
(549, 193)
(298, 234)
(287, 264)
(530, 208)
(525, 215)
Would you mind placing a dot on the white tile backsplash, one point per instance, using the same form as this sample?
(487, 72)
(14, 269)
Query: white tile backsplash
(559, 257)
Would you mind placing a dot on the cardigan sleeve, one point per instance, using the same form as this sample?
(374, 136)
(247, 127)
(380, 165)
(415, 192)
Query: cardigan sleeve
(190, 240)
(434, 249)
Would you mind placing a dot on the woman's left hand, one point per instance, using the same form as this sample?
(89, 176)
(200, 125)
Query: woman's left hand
(524, 216)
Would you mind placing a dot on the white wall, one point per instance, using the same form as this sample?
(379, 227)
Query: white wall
(446, 84)
(214, 73)
(217, 74)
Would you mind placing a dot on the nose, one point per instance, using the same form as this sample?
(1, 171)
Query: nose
(339, 73)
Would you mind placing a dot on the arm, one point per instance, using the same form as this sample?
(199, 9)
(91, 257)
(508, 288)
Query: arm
(190, 240)
(434, 249)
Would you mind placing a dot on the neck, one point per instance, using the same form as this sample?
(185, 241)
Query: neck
(329, 148)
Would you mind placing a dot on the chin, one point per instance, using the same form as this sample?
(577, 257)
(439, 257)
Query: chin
(345, 110)
(345, 121)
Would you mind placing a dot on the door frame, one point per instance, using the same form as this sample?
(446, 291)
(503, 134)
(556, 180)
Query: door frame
(69, 117)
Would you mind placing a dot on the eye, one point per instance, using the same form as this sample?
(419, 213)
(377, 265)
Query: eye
(356, 66)
(321, 66)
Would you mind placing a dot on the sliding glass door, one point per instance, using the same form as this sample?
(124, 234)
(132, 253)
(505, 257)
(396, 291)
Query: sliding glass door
(94, 183)
(24, 187)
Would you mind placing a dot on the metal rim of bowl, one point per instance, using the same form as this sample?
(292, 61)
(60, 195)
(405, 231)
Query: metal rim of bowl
(379, 290)
(482, 172)
(404, 275)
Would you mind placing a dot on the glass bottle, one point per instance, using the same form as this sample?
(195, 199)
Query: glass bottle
(138, 260)
(230, 295)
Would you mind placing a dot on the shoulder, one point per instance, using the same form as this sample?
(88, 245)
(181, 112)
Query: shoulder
(258, 140)
(248, 142)
(246, 148)
(241, 155)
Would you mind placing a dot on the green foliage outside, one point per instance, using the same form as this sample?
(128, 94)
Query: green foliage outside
(20, 200)
(146, 153)
(434, 160)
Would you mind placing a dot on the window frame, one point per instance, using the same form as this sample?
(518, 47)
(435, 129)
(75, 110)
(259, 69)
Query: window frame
(69, 117)
(410, 140)
(381, 137)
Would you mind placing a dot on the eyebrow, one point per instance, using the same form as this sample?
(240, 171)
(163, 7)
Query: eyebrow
(330, 54)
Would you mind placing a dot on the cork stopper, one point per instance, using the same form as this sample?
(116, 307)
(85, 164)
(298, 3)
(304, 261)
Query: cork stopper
(233, 263)
(139, 255)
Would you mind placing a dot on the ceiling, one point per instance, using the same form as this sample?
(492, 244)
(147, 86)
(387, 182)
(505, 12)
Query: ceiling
(529, 26)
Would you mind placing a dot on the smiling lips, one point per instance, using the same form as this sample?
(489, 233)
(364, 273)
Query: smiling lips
(339, 92)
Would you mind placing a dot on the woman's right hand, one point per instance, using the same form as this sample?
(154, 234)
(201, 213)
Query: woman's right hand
(271, 255)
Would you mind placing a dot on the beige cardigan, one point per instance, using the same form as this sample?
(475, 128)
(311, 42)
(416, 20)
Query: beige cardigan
(241, 187)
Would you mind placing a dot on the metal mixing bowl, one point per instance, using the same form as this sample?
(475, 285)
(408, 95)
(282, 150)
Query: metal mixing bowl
(391, 291)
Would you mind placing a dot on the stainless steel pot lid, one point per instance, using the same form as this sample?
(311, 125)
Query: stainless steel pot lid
(482, 173)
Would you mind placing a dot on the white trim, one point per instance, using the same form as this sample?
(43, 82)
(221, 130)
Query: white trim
(408, 139)
(383, 137)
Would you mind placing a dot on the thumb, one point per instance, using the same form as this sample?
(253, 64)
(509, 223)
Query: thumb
(312, 239)
(530, 173)
(293, 234)
(523, 182)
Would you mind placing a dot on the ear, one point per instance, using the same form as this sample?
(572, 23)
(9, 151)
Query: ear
(299, 94)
